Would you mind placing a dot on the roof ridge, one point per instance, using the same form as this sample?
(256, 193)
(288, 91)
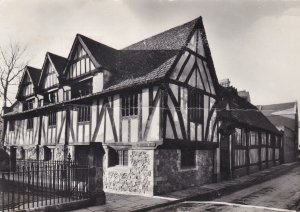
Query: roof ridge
(55, 55)
(92, 40)
(196, 20)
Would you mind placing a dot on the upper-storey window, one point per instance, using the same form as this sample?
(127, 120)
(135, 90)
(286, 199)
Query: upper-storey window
(51, 97)
(130, 105)
(11, 125)
(27, 87)
(195, 106)
(82, 88)
(28, 105)
(51, 78)
(81, 64)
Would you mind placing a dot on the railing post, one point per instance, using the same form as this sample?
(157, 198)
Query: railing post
(69, 174)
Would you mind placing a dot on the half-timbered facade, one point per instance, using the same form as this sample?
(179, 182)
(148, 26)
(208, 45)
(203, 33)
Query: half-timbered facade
(153, 106)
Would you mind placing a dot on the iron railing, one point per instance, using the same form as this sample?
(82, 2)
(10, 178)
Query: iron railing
(34, 183)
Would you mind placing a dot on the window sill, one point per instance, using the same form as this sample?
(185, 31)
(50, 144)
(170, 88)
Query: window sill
(188, 168)
(118, 168)
(130, 117)
(84, 122)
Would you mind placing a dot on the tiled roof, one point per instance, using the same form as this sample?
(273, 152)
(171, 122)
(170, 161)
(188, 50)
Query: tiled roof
(172, 39)
(104, 55)
(282, 121)
(142, 75)
(58, 61)
(242, 111)
(134, 65)
(34, 74)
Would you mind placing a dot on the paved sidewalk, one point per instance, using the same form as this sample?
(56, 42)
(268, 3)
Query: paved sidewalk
(121, 202)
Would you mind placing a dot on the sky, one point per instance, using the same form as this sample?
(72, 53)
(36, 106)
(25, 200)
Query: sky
(256, 44)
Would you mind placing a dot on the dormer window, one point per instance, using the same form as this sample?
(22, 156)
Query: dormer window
(28, 105)
(51, 97)
(82, 88)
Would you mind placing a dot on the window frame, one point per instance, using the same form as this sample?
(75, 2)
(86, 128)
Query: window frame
(52, 119)
(84, 114)
(195, 105)
(130, 105)
(52, 97)
(28, 105)
(30, 122)
(11, 127)
(118, 157)
(82, 88)
(188, 158)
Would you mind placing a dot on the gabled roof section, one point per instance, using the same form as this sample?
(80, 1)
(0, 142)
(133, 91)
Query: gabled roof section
(58, 63)
(104, 55)
(173, 39)
(159, 52)
(34, 75)
(100, 54)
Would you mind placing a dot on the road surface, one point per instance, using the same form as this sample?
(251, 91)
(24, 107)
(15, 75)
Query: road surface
(279, 194)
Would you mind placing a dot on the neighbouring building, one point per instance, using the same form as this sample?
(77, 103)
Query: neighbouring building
(155, 106)
(285, 117)
(249, 141)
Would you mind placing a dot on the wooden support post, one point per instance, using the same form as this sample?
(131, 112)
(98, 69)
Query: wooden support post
(259, 150)
(267, 149)
(247, 151)
(274, 145)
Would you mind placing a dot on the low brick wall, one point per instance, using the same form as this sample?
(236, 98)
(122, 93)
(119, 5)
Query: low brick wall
(169, 176)
(136, 178)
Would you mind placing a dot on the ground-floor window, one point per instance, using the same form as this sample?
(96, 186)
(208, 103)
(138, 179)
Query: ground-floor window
(188, 158)
(117, 157)
(11, 125)
(29, 123)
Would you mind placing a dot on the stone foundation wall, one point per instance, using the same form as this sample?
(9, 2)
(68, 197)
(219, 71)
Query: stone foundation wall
(31, 153)
(136, 178)
(169, 176)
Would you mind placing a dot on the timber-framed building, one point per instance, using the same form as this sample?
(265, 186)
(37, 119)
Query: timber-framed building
(155, 106)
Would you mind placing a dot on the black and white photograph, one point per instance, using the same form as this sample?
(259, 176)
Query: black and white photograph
(149, 105)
